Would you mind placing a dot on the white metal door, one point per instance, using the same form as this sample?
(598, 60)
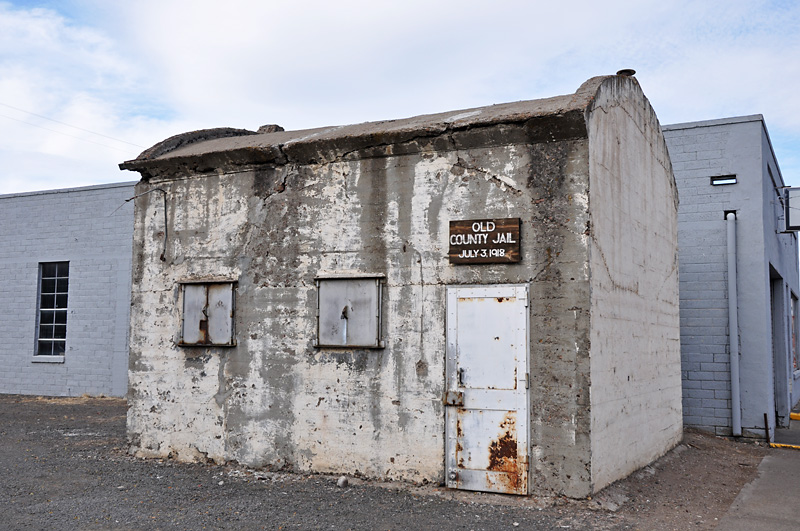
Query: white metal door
(486, 394)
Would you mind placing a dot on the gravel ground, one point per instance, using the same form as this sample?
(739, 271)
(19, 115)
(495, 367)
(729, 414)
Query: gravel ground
(65, 466)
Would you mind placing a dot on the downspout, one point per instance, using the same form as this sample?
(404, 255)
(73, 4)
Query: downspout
(733, 326)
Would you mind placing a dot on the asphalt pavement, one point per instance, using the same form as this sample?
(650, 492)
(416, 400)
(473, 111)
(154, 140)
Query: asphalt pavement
(65, 466)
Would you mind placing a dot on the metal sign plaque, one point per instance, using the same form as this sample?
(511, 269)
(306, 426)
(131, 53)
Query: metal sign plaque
(484, 241)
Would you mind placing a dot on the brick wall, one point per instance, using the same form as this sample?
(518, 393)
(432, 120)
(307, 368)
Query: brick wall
(697, 154)
(91, 228)
(766, 259)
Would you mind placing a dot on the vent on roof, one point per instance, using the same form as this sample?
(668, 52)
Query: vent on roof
(719, 180)
(269, 128)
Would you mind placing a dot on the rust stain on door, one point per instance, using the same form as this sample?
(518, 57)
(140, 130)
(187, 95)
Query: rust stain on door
(503, 456)
(503, 450)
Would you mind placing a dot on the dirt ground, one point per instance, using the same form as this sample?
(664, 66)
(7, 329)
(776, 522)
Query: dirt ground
(65, 466)
(691, 487)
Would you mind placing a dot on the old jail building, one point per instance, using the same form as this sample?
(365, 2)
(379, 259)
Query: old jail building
(486, 298)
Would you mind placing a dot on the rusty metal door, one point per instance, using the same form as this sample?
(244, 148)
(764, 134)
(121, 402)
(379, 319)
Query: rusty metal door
(486, 395)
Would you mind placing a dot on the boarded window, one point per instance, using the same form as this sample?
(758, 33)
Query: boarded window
(208, 314)
(349, 312)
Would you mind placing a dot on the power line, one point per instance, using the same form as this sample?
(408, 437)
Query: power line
(64, 123)
(71, 136)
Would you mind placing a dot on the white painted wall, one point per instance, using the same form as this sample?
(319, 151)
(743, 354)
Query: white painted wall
(737, 146)
(635, 347)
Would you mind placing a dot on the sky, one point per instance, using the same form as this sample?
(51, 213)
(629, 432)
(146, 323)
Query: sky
(87, 84)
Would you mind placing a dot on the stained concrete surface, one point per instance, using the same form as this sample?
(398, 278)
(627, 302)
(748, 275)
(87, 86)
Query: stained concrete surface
(770, 500)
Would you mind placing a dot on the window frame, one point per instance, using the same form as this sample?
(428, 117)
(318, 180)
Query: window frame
(724, 180)
(57, 311)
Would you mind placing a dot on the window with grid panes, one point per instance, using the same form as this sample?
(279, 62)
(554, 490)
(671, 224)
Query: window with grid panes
(51, 337)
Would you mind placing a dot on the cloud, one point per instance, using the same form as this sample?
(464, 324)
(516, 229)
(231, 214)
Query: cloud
(356, 58)
(70, 74)
(142, 71)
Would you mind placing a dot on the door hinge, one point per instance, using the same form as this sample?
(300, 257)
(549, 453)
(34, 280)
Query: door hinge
(454, 398)
(524, 296)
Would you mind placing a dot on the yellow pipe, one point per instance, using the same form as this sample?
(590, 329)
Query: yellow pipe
(794, 416)
(778, 445)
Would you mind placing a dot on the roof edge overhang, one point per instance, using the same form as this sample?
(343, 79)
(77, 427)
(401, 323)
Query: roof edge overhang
(226, 149)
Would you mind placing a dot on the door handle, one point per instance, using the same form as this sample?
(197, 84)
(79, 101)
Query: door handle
(461, 377)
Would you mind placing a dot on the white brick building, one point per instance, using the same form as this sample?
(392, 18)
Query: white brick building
(728, 166)
(65, 269)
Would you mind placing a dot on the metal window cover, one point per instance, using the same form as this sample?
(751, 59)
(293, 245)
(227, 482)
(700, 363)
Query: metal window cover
(208, 314)
(349, 311)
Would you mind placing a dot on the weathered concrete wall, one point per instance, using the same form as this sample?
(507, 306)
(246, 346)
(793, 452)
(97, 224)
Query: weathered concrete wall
(92, 229)
(635, 336)
(560, 418)
(274, 400)
(273, 211)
